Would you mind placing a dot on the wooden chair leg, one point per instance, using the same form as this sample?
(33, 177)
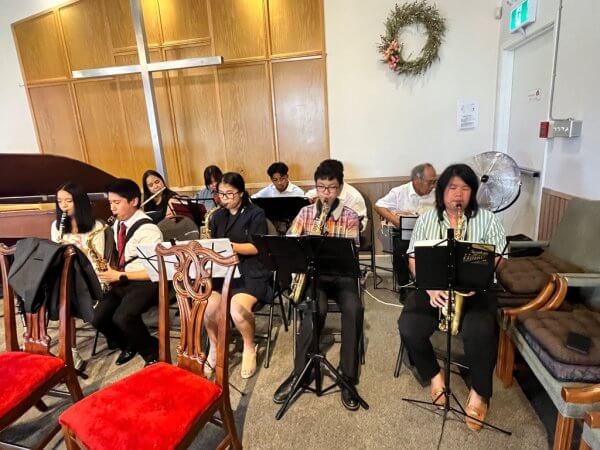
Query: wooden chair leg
(563, 435)
(509, 363)
(73, 386)
(501, 358)
(70, 441)
(229, 424)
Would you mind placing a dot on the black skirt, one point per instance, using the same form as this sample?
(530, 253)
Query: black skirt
(256, 287)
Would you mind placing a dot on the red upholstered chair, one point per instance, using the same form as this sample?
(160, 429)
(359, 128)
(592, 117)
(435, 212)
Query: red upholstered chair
(164, 406)
(26, 376)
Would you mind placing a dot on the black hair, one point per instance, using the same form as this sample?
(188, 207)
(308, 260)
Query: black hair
(466, 174)
(84, 217)
(237, 181)
(166, 193)
(330, 169)
(277, 167)
(333, 163)
(212, 173)
(126, 188)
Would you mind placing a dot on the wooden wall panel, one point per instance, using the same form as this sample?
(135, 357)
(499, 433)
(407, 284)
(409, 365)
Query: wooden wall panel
(122, 34)
(134, 109)
(184, 20)
(40, 48)
(239, 30)
(296, 26)
(86, 35)
(552, 209)
(53, 114)
(225, 116)
(104, 129)
(197, 116)
(247, 119)
(300, 115)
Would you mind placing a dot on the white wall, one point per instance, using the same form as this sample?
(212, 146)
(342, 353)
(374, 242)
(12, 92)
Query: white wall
(382, 124)
(17, 134)
(572, 165)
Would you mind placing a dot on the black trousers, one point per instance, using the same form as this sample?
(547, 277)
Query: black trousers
(479, 332)
(119, 317)
(345, 293)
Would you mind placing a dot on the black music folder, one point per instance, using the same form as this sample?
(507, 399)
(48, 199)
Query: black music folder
(281, 209)
(474, 266)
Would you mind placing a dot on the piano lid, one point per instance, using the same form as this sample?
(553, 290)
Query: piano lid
(33, 177)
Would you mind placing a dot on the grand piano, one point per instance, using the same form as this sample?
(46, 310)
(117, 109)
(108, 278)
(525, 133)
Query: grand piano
(28, 187)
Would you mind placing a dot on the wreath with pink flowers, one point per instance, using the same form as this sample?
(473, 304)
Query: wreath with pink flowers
(401, 17)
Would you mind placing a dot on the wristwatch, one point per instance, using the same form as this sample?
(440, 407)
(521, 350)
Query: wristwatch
(123, 279)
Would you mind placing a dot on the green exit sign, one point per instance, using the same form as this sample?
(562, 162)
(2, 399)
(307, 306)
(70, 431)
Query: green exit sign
(522, 14)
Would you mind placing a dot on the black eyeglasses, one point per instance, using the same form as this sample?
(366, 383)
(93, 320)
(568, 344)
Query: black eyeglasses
(228, 194)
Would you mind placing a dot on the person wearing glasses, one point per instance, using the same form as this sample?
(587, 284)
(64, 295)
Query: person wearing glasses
(411, 198)
(341, 221)
(208, 194)
(239, 220)
(351, 197)
(280, 186)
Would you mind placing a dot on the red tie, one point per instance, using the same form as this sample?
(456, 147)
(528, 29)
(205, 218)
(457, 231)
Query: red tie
(121, 244)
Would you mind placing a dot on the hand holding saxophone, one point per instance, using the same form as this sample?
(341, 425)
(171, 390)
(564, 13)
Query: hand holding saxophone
(109, 276)
(438, 299)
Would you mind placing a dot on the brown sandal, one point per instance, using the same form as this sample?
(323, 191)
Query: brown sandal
(475, 412)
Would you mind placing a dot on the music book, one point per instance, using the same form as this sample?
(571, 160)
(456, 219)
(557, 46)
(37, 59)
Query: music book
(147, 253)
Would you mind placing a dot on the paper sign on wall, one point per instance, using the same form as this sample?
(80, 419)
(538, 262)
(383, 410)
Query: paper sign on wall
(467, 115)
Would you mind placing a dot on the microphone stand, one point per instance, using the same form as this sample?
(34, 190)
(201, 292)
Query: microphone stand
(447, 393)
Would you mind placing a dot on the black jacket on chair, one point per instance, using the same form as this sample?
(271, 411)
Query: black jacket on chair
(35, 277)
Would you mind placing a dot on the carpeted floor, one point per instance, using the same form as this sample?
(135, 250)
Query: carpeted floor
(323, 422)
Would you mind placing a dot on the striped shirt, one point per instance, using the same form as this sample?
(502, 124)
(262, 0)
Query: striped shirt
(484, 227)
(342, 222)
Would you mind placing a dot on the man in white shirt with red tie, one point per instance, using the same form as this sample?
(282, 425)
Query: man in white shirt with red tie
(119, 315)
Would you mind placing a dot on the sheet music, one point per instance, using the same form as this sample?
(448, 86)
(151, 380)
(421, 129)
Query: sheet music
(147, 253)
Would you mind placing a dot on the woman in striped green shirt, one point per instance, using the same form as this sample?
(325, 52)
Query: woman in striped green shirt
(456, 194)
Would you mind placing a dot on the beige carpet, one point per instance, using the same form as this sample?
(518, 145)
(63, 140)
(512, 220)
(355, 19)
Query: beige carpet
(314, 422)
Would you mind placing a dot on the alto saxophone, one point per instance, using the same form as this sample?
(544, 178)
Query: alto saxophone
(457, 298)
(205, 229)
(298, 285)
(100, 264)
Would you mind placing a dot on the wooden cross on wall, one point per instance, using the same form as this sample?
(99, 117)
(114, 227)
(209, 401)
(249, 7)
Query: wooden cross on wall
(145, 68)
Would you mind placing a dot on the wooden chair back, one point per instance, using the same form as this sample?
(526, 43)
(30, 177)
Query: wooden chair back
(192, 283)
(36, 338)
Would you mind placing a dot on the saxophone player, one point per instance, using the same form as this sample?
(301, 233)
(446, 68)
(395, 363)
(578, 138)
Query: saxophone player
(456, 202)
(341, 221)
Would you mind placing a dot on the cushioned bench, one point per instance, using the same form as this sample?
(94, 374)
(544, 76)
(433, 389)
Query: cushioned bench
(546, 333)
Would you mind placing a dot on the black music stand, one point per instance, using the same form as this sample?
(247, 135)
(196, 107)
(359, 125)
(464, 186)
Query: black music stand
(313, 255)
(458, 266)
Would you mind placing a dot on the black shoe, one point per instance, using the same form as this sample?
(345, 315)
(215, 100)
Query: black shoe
(349, 400)
(149, 362)
(125, 356)
(284, 390)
